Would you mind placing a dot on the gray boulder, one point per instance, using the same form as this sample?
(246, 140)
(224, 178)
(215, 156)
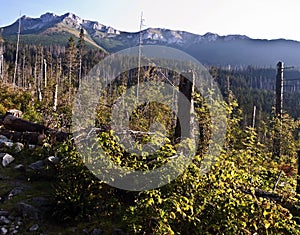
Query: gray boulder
(6, 159)
(18, 147)
(31, 146)
(53, 160)
(20, 167)
(97, 231)
(4, 139)
(34, 228)
(41, 203)
(118, 231)
(3, 231)
(4, 220)
(7, 144)
(4, 213)
(28, 211)
(15, 192)
(37, 166)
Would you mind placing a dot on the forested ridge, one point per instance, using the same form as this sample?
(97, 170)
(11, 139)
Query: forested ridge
(248, 190)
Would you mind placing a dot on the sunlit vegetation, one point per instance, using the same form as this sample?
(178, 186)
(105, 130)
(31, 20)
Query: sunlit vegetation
(246, 191)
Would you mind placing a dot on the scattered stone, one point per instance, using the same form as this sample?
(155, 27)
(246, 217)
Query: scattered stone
(31, 146)
(28, 211)
(11, 217)
(34, 228)
(15, 192)
(20, 167)
(97, 231)
(42, 203)
(7, 144)
(85, 231)
(4, 220)
(118, 231)
(4, 213)
(37, 166)
(3, 231)
(18, 147)
(4, 139)
(54, 160)
(7, 159)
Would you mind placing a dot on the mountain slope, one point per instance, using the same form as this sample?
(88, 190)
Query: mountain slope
(48, 29)
(210, 48)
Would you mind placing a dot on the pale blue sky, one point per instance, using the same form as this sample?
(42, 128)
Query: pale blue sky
(267, 19)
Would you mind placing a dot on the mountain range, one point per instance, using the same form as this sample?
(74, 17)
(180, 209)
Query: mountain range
(210, 48)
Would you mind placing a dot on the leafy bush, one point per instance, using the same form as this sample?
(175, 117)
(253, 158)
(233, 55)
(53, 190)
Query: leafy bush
(236, 197)
(224, 201)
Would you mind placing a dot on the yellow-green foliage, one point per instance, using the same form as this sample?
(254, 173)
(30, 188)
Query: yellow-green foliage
(236, 197)
(18, 98)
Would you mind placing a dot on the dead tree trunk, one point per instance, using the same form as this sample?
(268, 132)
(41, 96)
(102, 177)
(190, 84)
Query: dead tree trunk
(183, 124)
(278, 110)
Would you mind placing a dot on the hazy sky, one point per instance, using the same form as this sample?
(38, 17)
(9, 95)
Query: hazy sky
(264, 19)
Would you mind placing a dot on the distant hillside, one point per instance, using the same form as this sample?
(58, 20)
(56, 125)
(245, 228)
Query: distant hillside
(236, 50)
(49, 29)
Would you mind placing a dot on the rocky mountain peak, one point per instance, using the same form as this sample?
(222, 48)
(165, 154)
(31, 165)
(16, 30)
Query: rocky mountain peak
(48, 17)
(211, 36)
(72, 20)
(71, 15)
(210, 47)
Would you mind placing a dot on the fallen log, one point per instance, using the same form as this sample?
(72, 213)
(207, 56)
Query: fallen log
(35, 137)
(20, 130)
(58, 136)
(23, 137)
(14, 123)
